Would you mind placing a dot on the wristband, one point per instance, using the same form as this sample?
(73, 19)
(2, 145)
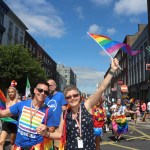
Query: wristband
(48, 135)
(111, 72)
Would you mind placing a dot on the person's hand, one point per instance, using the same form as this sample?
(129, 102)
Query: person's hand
(114, 64)
(42, 129)
(51, 129)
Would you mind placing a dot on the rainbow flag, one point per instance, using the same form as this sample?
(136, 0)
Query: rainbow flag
(110, 46)
(3, 100)
(48, 144)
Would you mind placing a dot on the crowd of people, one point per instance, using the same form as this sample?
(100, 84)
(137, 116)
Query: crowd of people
(64, 118)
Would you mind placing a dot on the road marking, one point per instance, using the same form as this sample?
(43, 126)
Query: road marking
(139, 137)
(116, 144)
(129, 137)
(142, 133)
(126, 147)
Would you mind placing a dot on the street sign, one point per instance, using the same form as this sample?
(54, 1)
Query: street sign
(124, 88)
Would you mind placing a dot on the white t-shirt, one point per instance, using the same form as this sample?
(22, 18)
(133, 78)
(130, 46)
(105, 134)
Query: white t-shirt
(148, 106)
(118, 110)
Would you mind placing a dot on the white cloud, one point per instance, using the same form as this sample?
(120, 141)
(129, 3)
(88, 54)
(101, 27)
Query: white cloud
(79, 11)
(111, 31)
(130, 7)
(88, 78)
(39, 16)
(101, 2)
(94, 28)
(135, 20)
(104, 53)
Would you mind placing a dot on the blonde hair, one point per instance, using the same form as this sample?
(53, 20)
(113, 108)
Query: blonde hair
(17, 95)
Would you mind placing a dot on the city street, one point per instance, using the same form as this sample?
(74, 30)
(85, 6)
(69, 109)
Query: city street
(137, 138)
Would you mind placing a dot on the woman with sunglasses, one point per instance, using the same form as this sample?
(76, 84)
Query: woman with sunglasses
(76, 122)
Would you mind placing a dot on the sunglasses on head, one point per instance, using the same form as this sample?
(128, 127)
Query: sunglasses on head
(41, 90)
(70, 96)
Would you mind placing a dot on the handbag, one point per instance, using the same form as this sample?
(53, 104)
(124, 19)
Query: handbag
(63, 137)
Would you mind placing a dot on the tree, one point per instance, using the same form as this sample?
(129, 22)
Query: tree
(16, 63)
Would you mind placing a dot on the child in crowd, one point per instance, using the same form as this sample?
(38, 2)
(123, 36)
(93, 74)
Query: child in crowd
(99, 115)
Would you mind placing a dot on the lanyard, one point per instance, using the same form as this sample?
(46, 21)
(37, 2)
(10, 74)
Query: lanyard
(79, 122)
(32, 115)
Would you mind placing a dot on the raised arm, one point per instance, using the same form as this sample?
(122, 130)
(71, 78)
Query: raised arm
(89, 104)
(129, 111)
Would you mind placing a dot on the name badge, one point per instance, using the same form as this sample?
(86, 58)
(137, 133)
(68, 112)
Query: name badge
(80, 143)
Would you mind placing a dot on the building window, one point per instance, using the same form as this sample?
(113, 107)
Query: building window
(26, 44)
(1, 34)
(16, 35)
(9, 40)
(21, 37)
(1, 18)
(10, 28)
(33, 50)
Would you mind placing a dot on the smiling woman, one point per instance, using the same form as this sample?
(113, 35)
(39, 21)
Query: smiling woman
(70, 96)
(77, 121)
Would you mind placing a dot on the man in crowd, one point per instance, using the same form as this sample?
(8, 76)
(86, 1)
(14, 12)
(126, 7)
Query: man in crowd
(56, 101)
(31, 114)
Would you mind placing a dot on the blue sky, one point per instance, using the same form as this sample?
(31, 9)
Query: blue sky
(61, 26)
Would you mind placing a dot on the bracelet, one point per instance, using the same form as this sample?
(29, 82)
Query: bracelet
(48, 136)
(111, 72)
(47, 129)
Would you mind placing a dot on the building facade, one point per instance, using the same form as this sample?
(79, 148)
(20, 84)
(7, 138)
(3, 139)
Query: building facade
(12, 29)
(133, 73)
(67, 73)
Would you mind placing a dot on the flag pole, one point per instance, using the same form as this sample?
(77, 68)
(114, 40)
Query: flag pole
(103, 48)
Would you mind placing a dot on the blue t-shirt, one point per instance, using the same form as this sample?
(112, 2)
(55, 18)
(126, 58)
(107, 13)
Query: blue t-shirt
(26, 134)
(55, 102)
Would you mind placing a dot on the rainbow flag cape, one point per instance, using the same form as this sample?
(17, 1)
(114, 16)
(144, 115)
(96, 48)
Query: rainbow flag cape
(3, 100)
(48, 144)
(110, 46)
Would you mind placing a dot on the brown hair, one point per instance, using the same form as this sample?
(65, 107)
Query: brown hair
(69, 88)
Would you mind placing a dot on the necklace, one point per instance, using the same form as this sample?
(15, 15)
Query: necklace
(32, 115)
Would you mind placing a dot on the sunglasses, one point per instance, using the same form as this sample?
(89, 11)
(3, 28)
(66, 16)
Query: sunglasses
(41, 90)
(51, 84)
(70, 96)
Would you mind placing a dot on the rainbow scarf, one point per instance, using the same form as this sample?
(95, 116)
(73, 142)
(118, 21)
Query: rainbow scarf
(110, 46)
(3, 100)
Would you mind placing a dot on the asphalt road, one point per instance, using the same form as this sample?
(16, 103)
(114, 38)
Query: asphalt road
(137, 138)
